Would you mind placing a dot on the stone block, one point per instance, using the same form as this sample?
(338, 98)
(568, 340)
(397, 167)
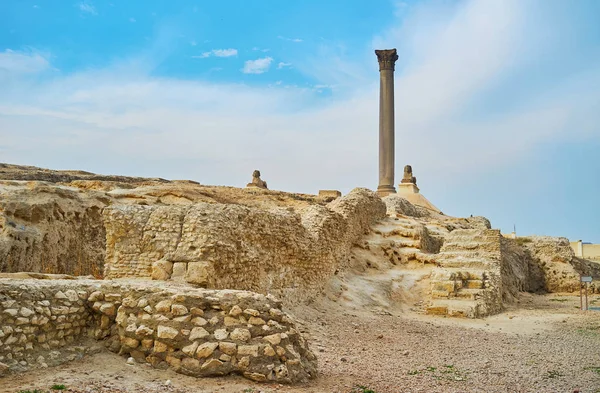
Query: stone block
(198, 273)
(162, 270)
(330, 194)
(179, 271)
(167, 332)
(437, 310)
(206, 349)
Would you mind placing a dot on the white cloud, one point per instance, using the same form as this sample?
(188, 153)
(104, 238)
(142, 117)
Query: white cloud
(257, 66)
(447, 68)
(193, 43)
(202, 56)
(283, 65)
(87, 7)
(264, 50)
(22, 62)
(289, 39)
(224, 52)
(218, 53)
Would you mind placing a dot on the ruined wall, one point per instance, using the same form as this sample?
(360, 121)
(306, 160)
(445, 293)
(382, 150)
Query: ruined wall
(50, 229)
(194, 331)
(231, 246)
(552, 263)
(38, 323)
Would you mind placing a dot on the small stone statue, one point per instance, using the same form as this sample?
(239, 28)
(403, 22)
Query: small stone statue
(408, 176)
(256, 181)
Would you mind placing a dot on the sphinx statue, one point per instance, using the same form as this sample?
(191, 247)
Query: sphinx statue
(256, 181)
(408, 176)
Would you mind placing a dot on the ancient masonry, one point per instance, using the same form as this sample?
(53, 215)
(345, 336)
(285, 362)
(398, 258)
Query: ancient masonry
(232, 246)
(467, 282)
(193, 331)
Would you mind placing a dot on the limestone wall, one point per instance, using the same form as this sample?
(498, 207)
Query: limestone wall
(272, 250)
(38, 323)
(194, 331)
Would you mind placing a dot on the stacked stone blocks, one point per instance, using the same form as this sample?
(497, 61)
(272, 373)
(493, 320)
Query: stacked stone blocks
(193, 331)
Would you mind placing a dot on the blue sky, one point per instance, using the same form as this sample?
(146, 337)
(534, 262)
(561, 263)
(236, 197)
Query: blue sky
(497, 103)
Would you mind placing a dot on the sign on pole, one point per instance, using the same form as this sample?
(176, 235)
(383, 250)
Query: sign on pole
(586, 279)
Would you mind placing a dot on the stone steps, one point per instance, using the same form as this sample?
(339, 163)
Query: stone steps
(463, 284)
(454, 308)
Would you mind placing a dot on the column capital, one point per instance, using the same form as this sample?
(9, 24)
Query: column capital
(386, 58)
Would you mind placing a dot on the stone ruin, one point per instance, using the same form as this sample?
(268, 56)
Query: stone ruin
(198, 278)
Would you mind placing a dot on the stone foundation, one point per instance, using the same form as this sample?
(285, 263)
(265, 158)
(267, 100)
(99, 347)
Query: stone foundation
(194, 331)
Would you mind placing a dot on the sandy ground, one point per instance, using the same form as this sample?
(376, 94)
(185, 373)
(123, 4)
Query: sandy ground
(542, 344)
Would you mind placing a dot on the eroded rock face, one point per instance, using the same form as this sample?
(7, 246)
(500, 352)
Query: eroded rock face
(233, 246)
(49, 229)
(194, 331)
(552, 263)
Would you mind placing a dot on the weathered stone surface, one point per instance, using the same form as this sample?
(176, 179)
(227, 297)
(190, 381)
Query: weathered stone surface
(248, 350)
(198, 273)
(198, 333)
(270, 250)
(167, 332)
(162, 270)
(206, 349)
(228, 348)
(273, 339)
(240, 335)
(221, 334)
(178, 309)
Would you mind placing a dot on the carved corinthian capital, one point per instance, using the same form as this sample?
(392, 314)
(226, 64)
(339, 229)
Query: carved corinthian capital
(387, 58)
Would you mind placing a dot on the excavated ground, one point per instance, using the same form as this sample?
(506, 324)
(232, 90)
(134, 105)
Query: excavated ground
(542, 344)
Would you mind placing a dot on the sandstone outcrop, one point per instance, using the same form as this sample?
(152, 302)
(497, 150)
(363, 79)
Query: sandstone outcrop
(50, 229)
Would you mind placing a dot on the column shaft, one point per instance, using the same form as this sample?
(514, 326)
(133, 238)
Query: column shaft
(387, 59)
(386, 132)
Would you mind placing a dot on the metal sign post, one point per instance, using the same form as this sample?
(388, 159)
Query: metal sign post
(586, 280)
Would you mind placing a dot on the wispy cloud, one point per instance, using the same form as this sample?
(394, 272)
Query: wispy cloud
(256, 48)
(289, 39)
(132, 20)
(193, 43)
(22, 62)
(217, 53)
(283, 65)
(202, 56)
(87, 7)
(224, 52)
(257, 66)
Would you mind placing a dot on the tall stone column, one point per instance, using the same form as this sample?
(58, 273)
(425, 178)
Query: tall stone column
(387, 59)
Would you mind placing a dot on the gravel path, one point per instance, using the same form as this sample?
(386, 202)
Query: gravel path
(543, 346)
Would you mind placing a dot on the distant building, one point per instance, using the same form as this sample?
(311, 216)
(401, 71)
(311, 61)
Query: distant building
(586, 250)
